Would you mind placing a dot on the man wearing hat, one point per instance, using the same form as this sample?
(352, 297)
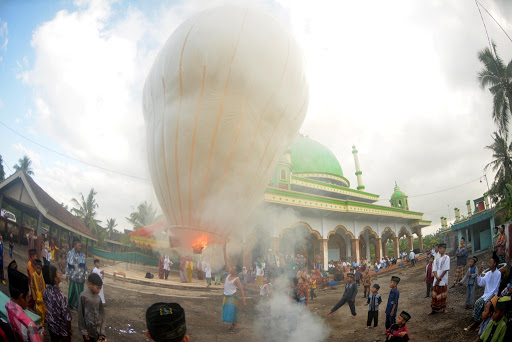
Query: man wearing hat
(398, 331)
(349, 296)
(491, 281)
(21, 324)
(166, 323)
(496, 329)
(440, 286)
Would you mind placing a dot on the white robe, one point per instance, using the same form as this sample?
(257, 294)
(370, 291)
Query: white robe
(97, 271)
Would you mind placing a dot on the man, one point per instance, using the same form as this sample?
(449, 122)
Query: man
(440, 285)
(412, 258)
(491, 280)
(76, 272)
(501, 244)
(461, 253)
(166, 322)
(495, 238)
(349, 296)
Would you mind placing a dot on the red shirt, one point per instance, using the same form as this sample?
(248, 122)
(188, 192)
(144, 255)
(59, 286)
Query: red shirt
(395, 331)
(430, 277)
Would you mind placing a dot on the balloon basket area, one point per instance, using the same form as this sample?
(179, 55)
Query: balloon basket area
(197, 249)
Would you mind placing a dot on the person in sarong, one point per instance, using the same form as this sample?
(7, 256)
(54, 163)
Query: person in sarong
(183, 271)
(230, 301)
(76, 272)
(189, 266)
(440, 286)
(501, 245)
(491, 280)
(429, 277)
(461, 253)
(161, 267)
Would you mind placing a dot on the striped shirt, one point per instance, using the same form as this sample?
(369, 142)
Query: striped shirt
(21, 324)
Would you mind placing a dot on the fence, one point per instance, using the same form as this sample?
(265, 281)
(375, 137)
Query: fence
(132, 257)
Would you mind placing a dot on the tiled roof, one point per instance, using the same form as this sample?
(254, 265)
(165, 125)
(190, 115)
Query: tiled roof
(56, 209)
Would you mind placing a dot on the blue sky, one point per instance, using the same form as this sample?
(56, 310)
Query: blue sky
(396, 79)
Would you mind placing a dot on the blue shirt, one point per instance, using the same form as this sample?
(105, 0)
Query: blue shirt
(394, 295)
(373, 300)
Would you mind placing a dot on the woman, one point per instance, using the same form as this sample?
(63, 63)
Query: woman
(501, 244)
(53, 248)
(230, 302)
(161, 267)
(183, 276)
(167, 266)
(189, 266)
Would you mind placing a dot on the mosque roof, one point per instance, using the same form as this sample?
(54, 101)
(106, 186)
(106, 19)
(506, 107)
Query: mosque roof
(308, 155)
(398, 193)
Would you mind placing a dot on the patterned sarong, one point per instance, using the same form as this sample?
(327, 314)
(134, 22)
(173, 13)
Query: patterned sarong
(479, 309)
(230, 309)
(74, 293)
(439, 294)
(459, 273)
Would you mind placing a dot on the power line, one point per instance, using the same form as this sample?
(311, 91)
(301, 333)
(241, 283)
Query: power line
(72, 158)
(485, 27)
(478, 3)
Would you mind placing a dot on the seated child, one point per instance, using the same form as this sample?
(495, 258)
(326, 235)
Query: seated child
(23, 327)
(166, 322)
(398, 331)
(496, 329)
(91, 314)
(486, 318)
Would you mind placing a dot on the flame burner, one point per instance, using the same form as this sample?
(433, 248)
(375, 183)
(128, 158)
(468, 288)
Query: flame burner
(199, 244)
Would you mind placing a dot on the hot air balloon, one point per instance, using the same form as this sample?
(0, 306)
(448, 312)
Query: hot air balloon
(223, 100)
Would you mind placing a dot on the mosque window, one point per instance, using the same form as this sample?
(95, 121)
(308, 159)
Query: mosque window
(399, 203)
(283, 175)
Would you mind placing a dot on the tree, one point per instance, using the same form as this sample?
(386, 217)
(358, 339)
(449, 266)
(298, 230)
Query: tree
(144, 215)
(498, 78)
(501, 164)
(86, 211)
(111, 223)
(25, 165)
(2, 172)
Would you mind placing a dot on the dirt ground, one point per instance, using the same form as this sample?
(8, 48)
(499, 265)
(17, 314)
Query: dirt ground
(127, 303)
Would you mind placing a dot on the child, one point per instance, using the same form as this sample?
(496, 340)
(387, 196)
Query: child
(367, 282)
(429, 275)
(392, 306)
(373, 303)
(348, 297)
(495, 330)
(302, 291)
(266, 289)
(37, 288)
(23, 327)
(398, 331)
(166, 322)
(357, 275)
(208, 273)
(58, 316)
(471, 275)
(91, 315)
(312, 282)
(99, 272)
(32, 256)
(486, 318)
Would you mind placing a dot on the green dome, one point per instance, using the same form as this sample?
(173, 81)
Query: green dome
(398, 193)
(308, 155)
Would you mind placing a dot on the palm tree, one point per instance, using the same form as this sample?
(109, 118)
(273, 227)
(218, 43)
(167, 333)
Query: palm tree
(111, 223)
(2, 172)
(498, 78)
(501, 163)
(25, 165)
(144, 215)
(86, 211)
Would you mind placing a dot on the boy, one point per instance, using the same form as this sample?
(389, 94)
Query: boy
(348, 297)
(166, 322)
(392, 306)
(91, 315)
(429, 275)
(373, 303)
(266, 289)
(495, 330)
(398, 331)
(367, 282)
(37, 288)
(21, 324)
(99, 272)
(357, 275)
(471, 275)
(58, 316)
(440, 269)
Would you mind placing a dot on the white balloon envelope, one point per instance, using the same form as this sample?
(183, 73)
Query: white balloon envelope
(224, 99)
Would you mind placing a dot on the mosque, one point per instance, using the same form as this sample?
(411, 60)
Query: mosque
(310, 208)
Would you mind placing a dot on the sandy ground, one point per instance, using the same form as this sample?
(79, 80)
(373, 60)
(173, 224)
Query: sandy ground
(127, 303)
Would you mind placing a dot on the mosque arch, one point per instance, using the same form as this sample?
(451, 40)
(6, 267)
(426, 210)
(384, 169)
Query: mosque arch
(302, 239)
(404, 232)
(390, 231)
(370, 231)
(342, 228)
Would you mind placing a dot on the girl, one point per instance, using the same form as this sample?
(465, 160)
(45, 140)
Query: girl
(230, 302)
(58, 316)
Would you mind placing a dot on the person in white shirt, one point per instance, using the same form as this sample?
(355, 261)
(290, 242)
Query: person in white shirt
(440, 287)
(491, 280)
(208, 273)
(412, 258)
(99, 272)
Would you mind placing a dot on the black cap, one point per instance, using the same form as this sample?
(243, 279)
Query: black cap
(18, 282)
(441, 245)
(475, 258)
(166, 322)
(377, 286)
(405, 316)
(395, 279)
